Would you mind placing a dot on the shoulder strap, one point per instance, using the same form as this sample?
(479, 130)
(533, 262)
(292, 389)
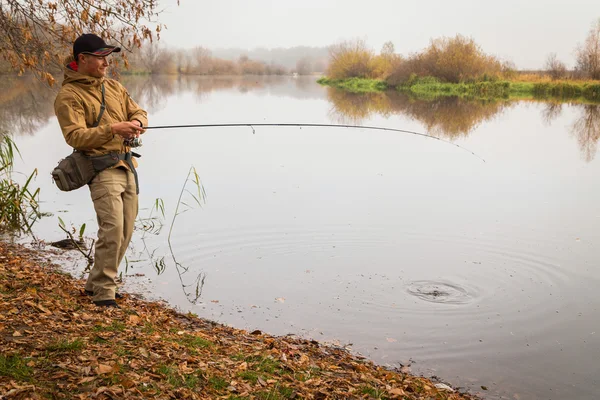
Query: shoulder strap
(102, 108)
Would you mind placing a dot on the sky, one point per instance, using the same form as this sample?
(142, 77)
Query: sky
(524, 32)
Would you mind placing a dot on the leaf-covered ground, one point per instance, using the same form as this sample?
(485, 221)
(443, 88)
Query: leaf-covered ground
(54, 343)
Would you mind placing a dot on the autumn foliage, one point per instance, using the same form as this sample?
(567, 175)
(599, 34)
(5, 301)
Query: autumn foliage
(457, 59)
(351, 59)
(35, 35)
(56, 344)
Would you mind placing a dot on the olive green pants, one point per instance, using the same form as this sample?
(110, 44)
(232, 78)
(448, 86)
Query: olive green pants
(115, 200)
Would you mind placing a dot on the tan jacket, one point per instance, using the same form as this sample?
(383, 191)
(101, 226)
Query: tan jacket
(77, 107)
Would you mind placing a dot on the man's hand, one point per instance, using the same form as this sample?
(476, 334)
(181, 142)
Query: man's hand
(126, 129)
(135, 121)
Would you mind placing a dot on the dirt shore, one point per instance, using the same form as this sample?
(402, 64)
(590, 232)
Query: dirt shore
(54, 343)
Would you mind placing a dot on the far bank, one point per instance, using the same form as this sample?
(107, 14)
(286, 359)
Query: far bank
(584, 91)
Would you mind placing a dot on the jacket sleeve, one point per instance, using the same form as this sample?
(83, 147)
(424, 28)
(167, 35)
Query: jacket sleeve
(71, 117)
(134, 111)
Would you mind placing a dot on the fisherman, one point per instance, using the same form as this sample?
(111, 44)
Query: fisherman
(97, 117)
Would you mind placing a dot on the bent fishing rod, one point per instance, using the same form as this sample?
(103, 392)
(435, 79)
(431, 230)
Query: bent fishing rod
(312, 126)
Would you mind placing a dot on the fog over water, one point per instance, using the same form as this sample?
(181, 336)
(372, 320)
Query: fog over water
(524, 32)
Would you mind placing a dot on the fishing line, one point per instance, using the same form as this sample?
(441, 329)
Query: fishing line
(315, 126)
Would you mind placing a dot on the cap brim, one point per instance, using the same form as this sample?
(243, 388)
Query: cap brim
(106, 51)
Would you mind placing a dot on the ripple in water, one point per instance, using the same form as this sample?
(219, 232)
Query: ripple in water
(439, 292)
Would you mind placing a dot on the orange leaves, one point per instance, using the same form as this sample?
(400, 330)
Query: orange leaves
(59, 22)
(85, 15)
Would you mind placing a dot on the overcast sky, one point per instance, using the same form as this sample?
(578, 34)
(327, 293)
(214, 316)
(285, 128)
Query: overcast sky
(521, 31)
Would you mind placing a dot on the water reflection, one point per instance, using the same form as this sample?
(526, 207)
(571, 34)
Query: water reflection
(585, 129)
(449, 117)
(26, 104)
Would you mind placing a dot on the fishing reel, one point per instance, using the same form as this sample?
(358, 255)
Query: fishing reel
(133, 142)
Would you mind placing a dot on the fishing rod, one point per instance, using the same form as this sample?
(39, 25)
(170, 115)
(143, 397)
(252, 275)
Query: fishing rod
(312, 126)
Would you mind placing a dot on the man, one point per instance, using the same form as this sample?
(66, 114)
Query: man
(89, 128)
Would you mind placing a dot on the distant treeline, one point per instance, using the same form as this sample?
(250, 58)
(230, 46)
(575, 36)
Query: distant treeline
(155, 59)
(453, 60)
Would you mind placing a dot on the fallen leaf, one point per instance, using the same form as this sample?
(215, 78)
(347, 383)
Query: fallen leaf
(443, 386)
(280, 299)
(86, 380)
(104, 369)
(17, 334)
(134, 319)
(391, 340)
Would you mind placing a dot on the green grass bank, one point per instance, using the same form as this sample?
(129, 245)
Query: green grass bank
(356, 85)
(431, 87)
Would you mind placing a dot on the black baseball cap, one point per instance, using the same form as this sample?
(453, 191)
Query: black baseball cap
(91, 44)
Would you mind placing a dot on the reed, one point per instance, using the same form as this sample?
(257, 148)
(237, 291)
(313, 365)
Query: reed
(19, 207)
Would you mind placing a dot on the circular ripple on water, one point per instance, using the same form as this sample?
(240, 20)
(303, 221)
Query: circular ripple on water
(440, 292)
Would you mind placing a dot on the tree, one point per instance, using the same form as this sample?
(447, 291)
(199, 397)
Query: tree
(555, 68)
(388, 50)
(36, 35)
(202, 59)
(588, 54)
(304, 66)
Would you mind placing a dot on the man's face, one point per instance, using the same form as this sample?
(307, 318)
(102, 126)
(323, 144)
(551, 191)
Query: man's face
(93, 65)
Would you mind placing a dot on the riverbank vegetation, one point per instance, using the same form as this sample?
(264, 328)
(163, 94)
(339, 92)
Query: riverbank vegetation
(55, 343)
(458, 66)
(19, 207)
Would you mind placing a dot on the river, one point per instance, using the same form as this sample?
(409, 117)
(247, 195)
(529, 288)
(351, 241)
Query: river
(481, 269)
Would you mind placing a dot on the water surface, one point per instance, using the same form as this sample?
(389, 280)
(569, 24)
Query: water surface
(410, 249)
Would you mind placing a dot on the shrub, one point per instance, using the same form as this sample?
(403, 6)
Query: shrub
(454, 60)
(350, 59)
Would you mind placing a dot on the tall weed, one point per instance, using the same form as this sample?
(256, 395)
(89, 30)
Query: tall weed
(18, 203)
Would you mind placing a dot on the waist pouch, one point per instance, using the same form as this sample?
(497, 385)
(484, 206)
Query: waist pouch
(77, 169)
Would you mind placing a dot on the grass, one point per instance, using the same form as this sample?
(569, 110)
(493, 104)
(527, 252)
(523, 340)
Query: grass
(19, 207)
(178, 380)
(356, 85)
(218, 383)
(249, 376)
(15, 367)
(115, 326)
(431, 87)
(194, 342)
(277, 393)
(264, 364)
(373, 392)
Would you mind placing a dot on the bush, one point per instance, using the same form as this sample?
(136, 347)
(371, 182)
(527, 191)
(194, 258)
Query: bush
(592, 91)
(454, 60)
(555, 68)
(350, 60)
